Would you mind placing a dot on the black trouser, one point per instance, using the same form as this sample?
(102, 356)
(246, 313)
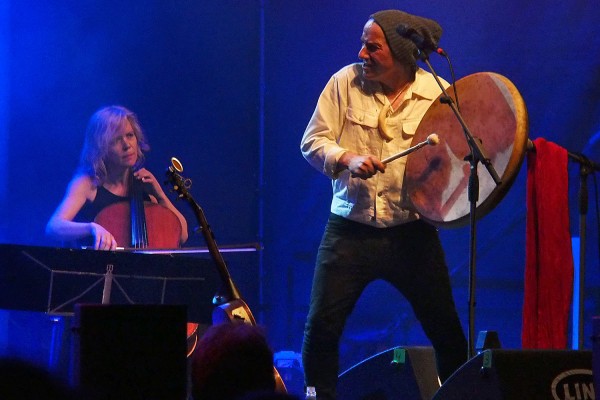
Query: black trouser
(352, 255)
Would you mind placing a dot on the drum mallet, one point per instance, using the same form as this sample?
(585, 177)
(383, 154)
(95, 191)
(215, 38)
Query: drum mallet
(431, 140)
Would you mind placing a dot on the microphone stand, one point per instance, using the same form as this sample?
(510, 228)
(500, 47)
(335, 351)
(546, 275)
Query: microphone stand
(476, 156)
(586, 167)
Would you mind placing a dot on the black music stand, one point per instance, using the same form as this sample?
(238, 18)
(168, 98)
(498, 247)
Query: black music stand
(53, 280)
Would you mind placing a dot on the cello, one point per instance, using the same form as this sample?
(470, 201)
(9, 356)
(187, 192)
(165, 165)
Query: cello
(145, 225)
(140, 223)
(230, 306)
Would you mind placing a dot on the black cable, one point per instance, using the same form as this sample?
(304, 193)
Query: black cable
(453, 79)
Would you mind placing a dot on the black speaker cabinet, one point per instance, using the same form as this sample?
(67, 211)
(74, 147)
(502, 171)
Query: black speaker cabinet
(522, 374)
(130, 351)
(596, 350)
(398, 373)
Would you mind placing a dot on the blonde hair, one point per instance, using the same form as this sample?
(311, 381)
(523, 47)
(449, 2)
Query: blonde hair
(98, 135)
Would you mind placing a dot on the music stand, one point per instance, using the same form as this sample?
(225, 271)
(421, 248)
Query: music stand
(53, 280)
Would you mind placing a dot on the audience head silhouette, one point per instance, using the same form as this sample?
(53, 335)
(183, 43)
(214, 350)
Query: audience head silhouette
(232, 360)
(20, 379)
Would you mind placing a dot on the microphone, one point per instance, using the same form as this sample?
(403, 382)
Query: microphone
(432, 140)
(419, 41)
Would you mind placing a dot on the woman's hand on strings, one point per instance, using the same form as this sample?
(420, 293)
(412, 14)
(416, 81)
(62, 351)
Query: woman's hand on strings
(103, 239)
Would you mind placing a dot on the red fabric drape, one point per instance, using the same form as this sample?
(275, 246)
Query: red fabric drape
(549, 256)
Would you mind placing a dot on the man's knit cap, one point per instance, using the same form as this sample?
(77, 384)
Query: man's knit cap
(402, 48)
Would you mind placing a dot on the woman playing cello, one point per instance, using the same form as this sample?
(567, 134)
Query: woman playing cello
(111, 163)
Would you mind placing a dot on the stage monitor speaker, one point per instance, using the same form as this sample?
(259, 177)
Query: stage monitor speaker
(130, 351)
(398, 373)
(522, 374)
(596, 350)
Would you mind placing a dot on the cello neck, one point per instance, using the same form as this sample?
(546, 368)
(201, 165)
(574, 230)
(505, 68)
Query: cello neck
(139, 229)
(232, 292)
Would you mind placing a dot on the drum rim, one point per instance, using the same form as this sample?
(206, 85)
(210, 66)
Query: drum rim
(515, 161)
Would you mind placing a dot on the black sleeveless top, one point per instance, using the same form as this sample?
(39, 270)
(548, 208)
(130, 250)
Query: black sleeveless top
(90, 209)
(104, 198)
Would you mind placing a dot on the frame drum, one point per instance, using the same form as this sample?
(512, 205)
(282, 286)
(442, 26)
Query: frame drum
(437, 177)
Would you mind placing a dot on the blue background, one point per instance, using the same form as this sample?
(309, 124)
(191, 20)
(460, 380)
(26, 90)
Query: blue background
(228, 87)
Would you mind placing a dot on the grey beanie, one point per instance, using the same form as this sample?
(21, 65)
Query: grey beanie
(403, 49)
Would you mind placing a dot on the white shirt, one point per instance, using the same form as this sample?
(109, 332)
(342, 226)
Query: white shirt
(346, 119)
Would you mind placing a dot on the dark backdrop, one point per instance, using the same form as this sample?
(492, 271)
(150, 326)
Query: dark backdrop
(228, 88)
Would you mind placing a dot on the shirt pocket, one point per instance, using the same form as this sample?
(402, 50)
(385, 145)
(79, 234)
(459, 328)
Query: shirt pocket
(361, 130)
(409, 127)
(362, 117)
